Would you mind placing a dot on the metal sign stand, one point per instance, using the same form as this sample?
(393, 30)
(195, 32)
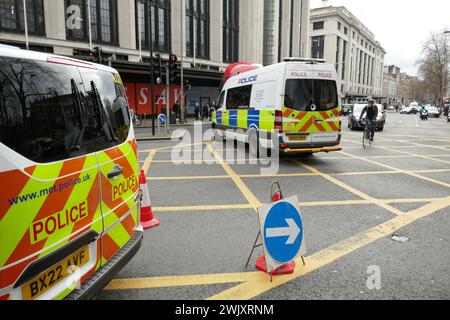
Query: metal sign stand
(275, 196)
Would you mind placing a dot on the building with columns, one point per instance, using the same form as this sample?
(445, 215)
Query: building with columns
(215, 32)
(337, 36)
(391, 85)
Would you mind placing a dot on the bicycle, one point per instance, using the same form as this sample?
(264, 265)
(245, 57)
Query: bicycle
(368, 138)
(137, 122)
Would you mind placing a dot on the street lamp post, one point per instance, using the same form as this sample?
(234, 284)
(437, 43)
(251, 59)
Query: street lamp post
(147, 6)
(25, 19)
(445, 67)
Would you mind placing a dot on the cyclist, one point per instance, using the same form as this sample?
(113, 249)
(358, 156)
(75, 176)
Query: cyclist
(372, 114)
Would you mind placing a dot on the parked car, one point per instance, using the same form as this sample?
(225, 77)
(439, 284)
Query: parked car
(346, 109)
(433, 112)
(409, 110)
(354, 117)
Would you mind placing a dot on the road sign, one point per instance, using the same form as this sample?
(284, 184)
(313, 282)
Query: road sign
(162, 118)
(282, 229)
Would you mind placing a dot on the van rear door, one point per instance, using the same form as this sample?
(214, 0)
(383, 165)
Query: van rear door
(311, 105)
(50, 217)
(118, 161)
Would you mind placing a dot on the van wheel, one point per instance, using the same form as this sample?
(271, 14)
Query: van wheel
(253, 145)
(218, 137)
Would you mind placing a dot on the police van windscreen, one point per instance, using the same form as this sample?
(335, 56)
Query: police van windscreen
(311, 95)
(51, 112)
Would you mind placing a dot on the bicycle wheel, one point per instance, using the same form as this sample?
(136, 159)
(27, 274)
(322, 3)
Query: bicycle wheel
(366, 138)
(137, 122)
(371, 139)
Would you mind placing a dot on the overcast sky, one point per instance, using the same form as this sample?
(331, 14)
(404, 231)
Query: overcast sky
(401, 26)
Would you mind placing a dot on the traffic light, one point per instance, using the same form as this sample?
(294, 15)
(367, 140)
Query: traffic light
(157, 69)
(96, 52)
(187, 85)
(173, 63)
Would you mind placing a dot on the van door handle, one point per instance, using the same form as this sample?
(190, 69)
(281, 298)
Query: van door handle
(117, 171)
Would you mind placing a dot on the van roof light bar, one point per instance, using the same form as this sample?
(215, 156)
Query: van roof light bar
(306, 60)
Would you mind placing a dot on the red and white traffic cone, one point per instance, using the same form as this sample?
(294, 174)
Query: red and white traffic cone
(148, 221)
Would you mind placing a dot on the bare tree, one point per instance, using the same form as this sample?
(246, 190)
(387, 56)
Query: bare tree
(433, 65)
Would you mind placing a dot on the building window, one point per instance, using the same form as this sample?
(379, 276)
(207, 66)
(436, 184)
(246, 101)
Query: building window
(197, 28)
(103, 20)
(318, 47)
(318, 25)
(159, 16)
(344, 58)
(345, 30)
(269, 55)
(12, 17)
(338, 49)
(230, 30)
(339, 26)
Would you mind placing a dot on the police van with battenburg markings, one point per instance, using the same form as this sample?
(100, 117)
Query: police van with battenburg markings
(294, 103)
(69, 188)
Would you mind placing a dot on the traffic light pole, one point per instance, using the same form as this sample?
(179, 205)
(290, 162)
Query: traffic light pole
(183, 35)
(168, 97)
(152, 72)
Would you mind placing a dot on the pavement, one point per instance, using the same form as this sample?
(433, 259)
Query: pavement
(145, 132)
(352, 202)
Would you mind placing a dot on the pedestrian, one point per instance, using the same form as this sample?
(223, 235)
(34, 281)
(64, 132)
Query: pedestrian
(176, 110)
(197, 111)
(205, 112)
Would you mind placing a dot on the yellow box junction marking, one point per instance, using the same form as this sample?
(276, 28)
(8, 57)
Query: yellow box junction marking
(351, 189)
(253, 284)
(236, 179)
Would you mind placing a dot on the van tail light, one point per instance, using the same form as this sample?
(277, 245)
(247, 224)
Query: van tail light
(279, 121)
(5, 297)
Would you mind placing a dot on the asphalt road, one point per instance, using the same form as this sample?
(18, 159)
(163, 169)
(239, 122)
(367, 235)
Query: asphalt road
(352, 202)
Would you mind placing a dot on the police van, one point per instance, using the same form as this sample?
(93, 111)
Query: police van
(69, 188)
(294, 104)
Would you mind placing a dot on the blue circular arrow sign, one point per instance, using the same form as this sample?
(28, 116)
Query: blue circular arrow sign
(283, 232)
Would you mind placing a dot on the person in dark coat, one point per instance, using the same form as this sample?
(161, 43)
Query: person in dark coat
(176, 110)
(197, 111)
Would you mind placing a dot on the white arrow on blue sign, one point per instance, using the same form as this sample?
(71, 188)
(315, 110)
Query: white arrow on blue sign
(282, 229)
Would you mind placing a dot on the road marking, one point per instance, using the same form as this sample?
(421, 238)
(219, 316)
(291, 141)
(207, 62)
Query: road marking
(410, 173)
(296, 175)
(418, 137)
(183, 281)
(237, 180)
(418, 156)
(148, 161)
(200, 208)
(349, 188)
(189, 178)
(417, 121)
(255, 288)
(254, 284)
(405, 153)
(203, 208)
(409, 142)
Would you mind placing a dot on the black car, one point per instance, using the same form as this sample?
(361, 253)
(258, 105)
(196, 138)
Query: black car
(354, 118)
(346, 109)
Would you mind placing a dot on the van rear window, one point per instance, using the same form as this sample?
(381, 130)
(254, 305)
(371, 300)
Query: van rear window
(311, 95)
(47, 114)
